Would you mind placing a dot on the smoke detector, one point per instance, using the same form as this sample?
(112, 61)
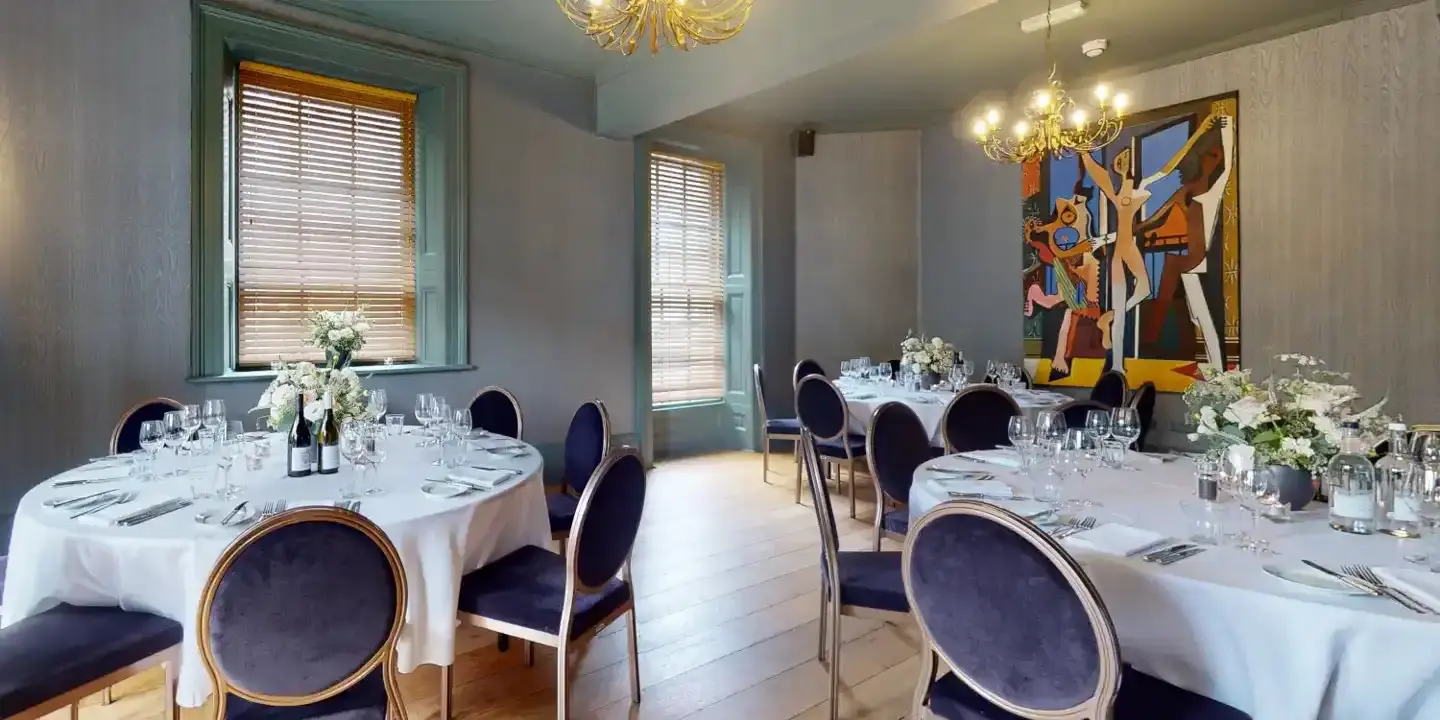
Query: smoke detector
(1095, 48)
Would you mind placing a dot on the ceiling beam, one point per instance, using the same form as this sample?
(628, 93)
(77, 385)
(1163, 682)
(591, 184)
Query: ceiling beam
(784, 40)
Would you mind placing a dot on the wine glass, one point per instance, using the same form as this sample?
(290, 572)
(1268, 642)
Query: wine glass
(352, 448)
(379, 402)
(462, 422)
(230, 442)
(212, 414)
(1081, 456)
(1050, 426)
(1097, 426)
(152, 437)
(424, 408)
(1426, 476)
(1257, 488)
(1125, 427)
(375, 453)
(174, 423)
(1021, 432)
(190, 421)
(1049, 482)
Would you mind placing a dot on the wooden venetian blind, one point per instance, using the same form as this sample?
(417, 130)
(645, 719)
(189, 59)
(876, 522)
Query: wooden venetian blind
(687, 279)
(326, 212)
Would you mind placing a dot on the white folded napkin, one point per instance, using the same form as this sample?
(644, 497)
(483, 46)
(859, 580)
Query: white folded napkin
(995, 488)
(1113, 539)
(483, 479)
(108, 516)
(1422, 585)
(1003, 457)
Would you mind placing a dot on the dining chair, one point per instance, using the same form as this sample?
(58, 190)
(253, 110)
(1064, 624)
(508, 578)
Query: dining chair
(852, 583)
(784, 429)
(1076, 411)
(1110, 388)
(300, 617)
(803, 369)
(978, 418)
(126, 435)
(895, 446)
(824, 414)
(894, 368)
(1144, 403)
(496, 410)
(1018, 629)
(57, 657)
(587, 442)
(562, 600)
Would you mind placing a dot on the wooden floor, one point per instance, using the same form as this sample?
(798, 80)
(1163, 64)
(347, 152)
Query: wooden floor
(727, 583)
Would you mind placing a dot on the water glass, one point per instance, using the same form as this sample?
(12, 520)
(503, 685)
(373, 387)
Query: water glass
(230, 444)
(394, 424)
(352, 448)
(1112, 454)
(152, 437)
(1204, 521)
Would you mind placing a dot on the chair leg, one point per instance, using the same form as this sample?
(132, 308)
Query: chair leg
(172, 681)
(797, 473)
(634, 658)
(105, 697)
(765, 457)
(445, 672)
(529, 654)
(834, 661)
(851, 463)
(820, 651)
(562, 681)
(74, 711)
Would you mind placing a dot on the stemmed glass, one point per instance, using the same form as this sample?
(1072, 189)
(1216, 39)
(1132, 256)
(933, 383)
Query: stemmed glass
(152, 436)
(378, 404)
(376, 453)
(1255, 492)
(1050, 426)
(352, 448)
(424, 409)
(1427, 477)
(1125, 427)
(212, 414)
(1049, 480)
(230, 440)
(190, 420)
(175, 434)
(1021, 432)
(1097, 426)
(1079, 457)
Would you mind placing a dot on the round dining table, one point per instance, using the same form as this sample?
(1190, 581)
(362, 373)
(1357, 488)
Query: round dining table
(161, 565)
(1218, 623)
(862, 398)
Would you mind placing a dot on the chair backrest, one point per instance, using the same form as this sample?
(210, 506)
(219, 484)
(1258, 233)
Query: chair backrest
(759, 375)
(824, 513)
(1011, 613)
(803, 369)
(978, 418)
(587, 442)
(1027, 378)
(895, 445)
(1110, 388)
(1075, 411)
(894, 368)
(301, 607)
(607, 520)
(126, 436)
(821, 408)
(1144, 403)
(496, 410)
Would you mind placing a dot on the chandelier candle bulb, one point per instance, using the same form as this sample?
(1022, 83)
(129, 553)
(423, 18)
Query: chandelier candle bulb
(1078, 118)
(1102, 93)
(981, 128)
(1121, 101)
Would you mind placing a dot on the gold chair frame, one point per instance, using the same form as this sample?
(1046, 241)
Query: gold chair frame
(1099, 705)
(115, 434)
(969, 390)
(849, 461)
(168, 658)
(384, 655)
(766, 436)
(514, 402)
(831, 609)
(562, 535)
(883, 501)
(567, 650)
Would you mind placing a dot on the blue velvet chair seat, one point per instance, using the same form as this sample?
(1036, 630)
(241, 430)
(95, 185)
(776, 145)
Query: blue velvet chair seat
(561, 506)
(364, 701)
(783, 425)
(836, 448)
(897, 521)
(1142, 697)
(527, 588)
(49, 654)
(872, 580)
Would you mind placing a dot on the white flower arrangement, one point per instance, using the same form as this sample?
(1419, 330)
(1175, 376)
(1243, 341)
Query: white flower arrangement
(304, 379)
(339, 331)
(1289, 420)
(922, 354)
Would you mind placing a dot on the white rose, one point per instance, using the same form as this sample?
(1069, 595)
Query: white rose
(1247, 412)
(1241, 457)
(1327, 429)
(937, 342)
(314, 411)
(347, 333)
(1299, 446)
(1207, 418)
(362, 327)
(335, 335)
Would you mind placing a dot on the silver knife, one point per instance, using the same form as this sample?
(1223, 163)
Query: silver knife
(153, 512)
(1177, 557)
(58, 503)
(1352, 582)
(1152, 547)
(233, 513)
(87, 481)
(1157, 554)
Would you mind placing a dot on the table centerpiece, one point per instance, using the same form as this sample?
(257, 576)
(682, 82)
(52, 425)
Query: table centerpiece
(1286, 427)
(930, 358)
(340, 333)
(305, 379)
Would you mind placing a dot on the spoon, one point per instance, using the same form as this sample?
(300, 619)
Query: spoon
(120, 499)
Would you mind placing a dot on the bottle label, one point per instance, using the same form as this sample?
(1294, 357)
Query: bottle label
(1353, 505)
(300, 458)
(329, 457)
(1407, 509)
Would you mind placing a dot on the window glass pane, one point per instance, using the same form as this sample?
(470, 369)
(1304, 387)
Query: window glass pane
(687, 279)
(325, 212)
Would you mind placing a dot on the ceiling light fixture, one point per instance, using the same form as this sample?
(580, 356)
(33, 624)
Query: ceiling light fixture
(684, 24)
(1055, 125)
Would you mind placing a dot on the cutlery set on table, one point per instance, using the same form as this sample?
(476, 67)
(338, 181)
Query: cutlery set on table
(91, 505)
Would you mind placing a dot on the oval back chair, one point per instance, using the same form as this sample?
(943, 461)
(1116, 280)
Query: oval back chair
(1110, 388)
(803, 369)
(496, 410)
(587, 442)
(1144, 403)
(823, 412)
(782, 428)
(895, 446)
(1076, 411)
(126, 436)
(978, 418)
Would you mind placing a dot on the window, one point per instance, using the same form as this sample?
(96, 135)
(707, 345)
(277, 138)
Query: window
(687, 279)
(325, 209)
(329, 172)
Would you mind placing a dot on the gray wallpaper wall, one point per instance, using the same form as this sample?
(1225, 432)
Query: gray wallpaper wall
(856, 246)
(95, 235)
(1339, 163)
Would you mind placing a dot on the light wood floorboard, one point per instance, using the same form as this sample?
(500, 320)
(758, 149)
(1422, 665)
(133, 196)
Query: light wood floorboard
(727, 585)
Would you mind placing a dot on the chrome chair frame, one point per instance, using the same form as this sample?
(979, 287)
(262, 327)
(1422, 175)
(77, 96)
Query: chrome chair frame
(567, 649)
(766, 436)
(1102, 703)
(968, 390)
(125, 416)
(831, 609)
(844, 434)
(514, 402)
(384, 656)
(882, 500)
(560, 535)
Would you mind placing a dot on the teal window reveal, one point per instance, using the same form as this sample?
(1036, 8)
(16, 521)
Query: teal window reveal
(224, 38)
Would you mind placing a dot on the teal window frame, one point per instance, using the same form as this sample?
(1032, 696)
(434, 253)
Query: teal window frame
(224, 37)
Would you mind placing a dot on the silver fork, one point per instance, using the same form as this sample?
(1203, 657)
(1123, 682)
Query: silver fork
(266, 510)
(1365, 573)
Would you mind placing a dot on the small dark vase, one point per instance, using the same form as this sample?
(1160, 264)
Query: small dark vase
(928, 380)
(1295, 486)
(337, 359)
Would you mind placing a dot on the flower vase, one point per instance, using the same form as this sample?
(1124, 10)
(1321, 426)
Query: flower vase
(337, 359)
(928, 380)
(1294, 486)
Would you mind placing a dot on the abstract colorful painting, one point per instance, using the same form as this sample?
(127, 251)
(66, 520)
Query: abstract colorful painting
(1132, 252)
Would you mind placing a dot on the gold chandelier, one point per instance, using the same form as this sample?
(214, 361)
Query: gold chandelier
(684, 24)
(1054, 124)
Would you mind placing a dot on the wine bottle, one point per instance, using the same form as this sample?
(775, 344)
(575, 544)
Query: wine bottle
(299, 461)
(327, 438)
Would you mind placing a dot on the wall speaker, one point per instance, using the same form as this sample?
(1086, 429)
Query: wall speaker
(804, 143)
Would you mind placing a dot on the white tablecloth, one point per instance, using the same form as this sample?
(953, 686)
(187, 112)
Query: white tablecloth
(161, 566)
(1217, 624)
(864, 398)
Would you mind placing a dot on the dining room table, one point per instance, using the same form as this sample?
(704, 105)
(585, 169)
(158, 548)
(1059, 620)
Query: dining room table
(863, 397)
(1246, 623)
(160, 565)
